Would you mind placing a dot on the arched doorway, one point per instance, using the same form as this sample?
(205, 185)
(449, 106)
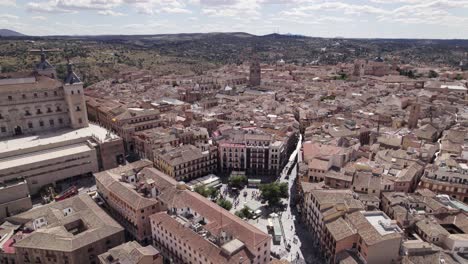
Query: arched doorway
(18, 131)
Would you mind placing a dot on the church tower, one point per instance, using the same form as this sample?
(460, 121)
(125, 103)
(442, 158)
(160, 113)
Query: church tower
(415, 110)
(73, 90)
(255, 78)
(44, 67)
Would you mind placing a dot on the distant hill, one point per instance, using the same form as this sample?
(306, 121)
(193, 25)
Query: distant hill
(10, 33)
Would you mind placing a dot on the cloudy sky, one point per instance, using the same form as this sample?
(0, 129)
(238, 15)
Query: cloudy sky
(321, 18)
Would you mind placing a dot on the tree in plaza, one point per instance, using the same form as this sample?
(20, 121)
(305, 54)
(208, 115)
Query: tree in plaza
(224, 203)
(237, 181)
(209, 192)
(274, 192)
(245, 212)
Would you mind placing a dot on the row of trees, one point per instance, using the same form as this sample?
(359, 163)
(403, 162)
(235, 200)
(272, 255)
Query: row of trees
(213, 193)
(272, 193)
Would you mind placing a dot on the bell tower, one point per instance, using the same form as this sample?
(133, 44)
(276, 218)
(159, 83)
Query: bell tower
(255, 78)
(73, 91)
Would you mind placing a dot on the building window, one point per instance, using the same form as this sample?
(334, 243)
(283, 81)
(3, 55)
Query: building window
(59, 109)
(55, 93)
(80, 120)
(46, 94)
(72, 92)
(51, 122)
(3, 129)
(30, 125)
(38, 111)
(49, 110)
(35, 95)
(78, 109)
(1, 116)
(27, 113)
(41, 123)
(60, 120)
(79, 91)
(24, 96)
(10, 98)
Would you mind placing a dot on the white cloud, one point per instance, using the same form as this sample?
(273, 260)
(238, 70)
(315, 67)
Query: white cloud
(110, 13)
(39, 18)
(7, 2)
(8, 16)
(301, 16)
(176, 10)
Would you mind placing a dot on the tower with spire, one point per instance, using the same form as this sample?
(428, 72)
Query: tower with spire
(44, 67)
(74, 97)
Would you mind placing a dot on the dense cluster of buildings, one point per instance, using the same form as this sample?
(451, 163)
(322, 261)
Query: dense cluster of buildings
(382, 176)
(185, 226)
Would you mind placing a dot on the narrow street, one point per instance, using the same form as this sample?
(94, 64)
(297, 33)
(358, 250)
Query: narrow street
(300, 240)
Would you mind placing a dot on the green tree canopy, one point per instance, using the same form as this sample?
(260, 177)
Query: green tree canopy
(274, 192)
(245, 212)
(237, 181)
(209, 192)
(224, 203)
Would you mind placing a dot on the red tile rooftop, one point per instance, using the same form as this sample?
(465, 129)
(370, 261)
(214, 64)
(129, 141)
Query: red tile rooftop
(8, 246)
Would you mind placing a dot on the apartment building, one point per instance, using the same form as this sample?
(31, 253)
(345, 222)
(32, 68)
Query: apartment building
(320, 206)
(253, 151)
(187, 162)
(195, 230)
(370, 235)
(131, 253)
(72, 231)
(322, 158)
(447, 176)
(144, 199)
(129, 198)
(122, 120)
(147, 141)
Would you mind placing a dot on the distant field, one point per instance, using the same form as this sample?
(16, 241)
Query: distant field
(100, 57)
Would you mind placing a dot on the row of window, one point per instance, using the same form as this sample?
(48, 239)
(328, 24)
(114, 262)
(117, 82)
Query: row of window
(35, 95)
(49, 110)
(39, 111)
(41, 124)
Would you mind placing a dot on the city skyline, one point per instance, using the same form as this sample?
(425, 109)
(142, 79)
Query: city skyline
(444, 19)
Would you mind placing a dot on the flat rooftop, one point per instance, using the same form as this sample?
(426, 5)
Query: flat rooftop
(62, 135)
(39, 156)
(381, 222)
